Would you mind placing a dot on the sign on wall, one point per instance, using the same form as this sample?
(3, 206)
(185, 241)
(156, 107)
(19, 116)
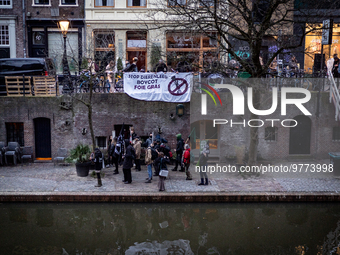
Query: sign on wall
(166, 87)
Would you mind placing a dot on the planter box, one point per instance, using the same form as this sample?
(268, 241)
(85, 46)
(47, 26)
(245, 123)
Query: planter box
(83, 169)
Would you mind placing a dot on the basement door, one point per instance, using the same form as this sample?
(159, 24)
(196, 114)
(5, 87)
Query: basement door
(299, 139)
(42, 131)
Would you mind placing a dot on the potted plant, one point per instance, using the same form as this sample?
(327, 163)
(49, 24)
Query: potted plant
(80, 155)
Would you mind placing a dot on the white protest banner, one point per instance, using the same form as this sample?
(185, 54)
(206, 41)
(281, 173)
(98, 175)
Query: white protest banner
(167, 87)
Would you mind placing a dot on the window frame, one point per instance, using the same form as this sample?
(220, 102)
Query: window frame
(271, 134)
(68, 5)
(42, 5)
(97, 145)
(177, 5)
(16, 132)
(104, 6)
(127, 5)
(10, 6)
(9, 37)
(211, 6)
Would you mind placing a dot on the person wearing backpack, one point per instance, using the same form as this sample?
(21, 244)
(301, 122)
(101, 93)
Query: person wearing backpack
(149, 158)
(186, 161)
(179, 151)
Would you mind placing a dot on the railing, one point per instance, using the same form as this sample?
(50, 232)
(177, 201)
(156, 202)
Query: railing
(334, 95)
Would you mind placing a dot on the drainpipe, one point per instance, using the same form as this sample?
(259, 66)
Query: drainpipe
(24, 26)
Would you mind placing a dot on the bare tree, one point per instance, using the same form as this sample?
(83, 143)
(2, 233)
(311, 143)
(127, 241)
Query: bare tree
(236, 24)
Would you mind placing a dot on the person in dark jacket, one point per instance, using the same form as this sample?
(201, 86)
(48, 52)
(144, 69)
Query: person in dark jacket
(183, 66)
(162, 161)
(160, 67)
(129, 156)
(179, 151)
(133, 67)
(336, 66)
(115, 156)
(98, 165)
(110, 148)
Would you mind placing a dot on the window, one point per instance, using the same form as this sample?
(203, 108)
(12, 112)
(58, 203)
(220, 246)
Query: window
(103, 3)
(4, 35)
(38, 38)
(15, 132)
(101, 142)
(207, 3)
(136, 3)
(5, 4)
(39, 2)
(104, 47)
(336, 134)
(173, 3)
(197, 49)
(69, 2)
(270, 134)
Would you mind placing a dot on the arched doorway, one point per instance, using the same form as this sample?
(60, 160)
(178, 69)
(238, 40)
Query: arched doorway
(42, 131)
(300, 136)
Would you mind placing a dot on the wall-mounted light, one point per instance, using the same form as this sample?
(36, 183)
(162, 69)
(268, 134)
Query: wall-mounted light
(180, 110)
(172, 116)
(84, 131)
(159, 130)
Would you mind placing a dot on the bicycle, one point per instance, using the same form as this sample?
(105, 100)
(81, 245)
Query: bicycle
(119, 84)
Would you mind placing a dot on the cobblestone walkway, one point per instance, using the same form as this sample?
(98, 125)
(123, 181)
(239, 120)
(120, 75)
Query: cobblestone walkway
(45, 177)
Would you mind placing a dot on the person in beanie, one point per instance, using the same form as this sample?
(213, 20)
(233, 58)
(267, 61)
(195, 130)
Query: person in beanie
(186, 161)
(149, 162)
(179, 151)
(137, 145)
(129, 156)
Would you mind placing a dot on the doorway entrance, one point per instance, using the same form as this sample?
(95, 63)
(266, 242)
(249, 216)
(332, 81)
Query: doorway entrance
(299, 138)
(42, 132)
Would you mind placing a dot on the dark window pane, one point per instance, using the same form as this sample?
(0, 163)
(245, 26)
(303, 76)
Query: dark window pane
(270, 133)
(15, 132)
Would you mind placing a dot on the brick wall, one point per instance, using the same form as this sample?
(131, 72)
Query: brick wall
(233, 138)
(108, 110)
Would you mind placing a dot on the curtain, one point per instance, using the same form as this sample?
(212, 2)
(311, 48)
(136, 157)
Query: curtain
(99, 2)
(142, 2)
(109, 2)
(130, 3)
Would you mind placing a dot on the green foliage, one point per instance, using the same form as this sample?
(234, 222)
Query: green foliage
(156, 54)
(80, 154)
(119, 64)
(84, 63)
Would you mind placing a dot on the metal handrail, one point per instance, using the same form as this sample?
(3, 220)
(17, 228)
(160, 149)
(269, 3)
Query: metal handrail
(334, 95)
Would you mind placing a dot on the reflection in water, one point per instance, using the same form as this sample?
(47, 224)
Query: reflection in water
(170, 228)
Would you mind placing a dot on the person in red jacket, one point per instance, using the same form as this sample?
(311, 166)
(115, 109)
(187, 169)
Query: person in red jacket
(186, 161)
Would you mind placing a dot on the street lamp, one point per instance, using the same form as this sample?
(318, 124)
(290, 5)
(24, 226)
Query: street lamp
(63, 26)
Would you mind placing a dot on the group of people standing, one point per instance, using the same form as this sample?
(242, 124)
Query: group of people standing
(157, 156)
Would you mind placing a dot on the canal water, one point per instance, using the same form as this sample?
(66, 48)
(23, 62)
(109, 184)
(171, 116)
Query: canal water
(228, 228)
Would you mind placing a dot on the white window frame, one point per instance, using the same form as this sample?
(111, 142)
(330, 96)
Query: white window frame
(68, 5)
(140, 6)
(12, 40)
(10, 6)
(42, 5)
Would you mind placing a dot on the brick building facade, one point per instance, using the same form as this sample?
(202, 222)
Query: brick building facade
(68, 117)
